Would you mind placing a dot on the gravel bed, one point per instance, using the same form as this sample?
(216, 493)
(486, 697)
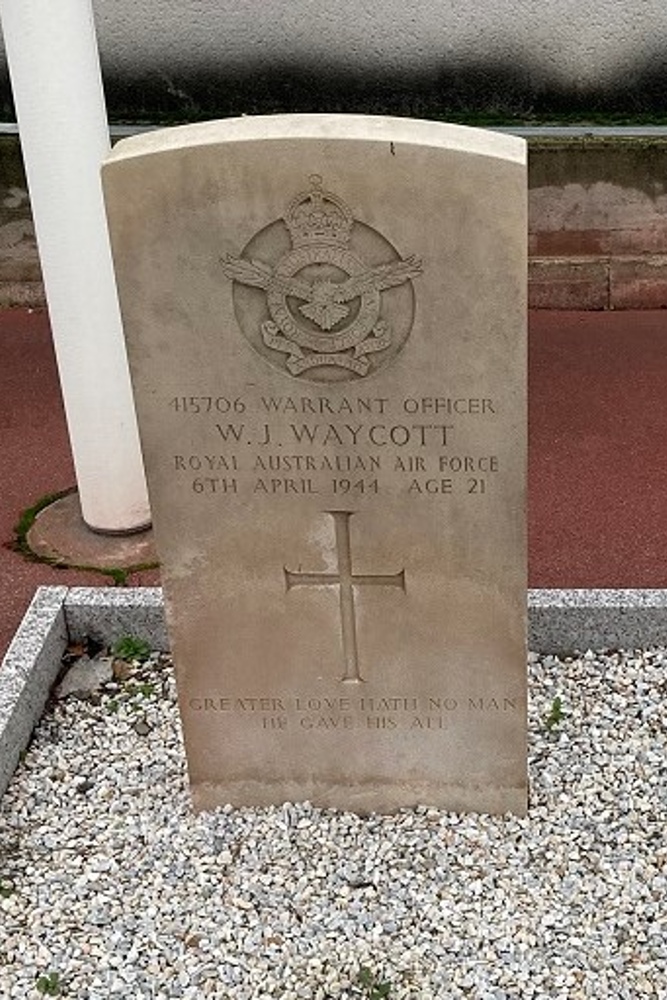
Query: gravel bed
(111, 887)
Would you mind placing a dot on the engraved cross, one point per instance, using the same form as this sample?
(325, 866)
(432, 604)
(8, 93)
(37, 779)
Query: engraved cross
(346, 581)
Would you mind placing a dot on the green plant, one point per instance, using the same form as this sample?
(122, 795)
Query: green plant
(556, 713)
(49, 984)
(131, 695)
(134, 694)
(129, 647)
(27, 519)
(144, 690)
(372, 986)
(20, 544)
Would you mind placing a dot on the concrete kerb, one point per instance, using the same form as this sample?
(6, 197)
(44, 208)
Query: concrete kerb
(106, 614)
(28, 672)
(559, 621)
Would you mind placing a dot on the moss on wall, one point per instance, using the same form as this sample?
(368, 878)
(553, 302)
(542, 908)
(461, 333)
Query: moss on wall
(637, 163)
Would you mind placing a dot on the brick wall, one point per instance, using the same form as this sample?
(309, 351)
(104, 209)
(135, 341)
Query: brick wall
(597, 225)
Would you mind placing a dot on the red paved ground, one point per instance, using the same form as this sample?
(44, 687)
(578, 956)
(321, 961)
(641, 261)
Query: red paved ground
(35, 458)
(597, 509)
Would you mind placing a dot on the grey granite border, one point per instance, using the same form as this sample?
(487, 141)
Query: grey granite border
(560, 621)
(27, 673)
(106, 614)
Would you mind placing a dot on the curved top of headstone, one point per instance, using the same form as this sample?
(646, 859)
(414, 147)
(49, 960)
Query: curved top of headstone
(325, 322)
(376, 128)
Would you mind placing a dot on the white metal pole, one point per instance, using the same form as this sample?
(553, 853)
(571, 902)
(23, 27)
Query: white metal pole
(54, 67)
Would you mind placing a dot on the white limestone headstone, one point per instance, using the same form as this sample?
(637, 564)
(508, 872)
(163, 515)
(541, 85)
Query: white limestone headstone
(325, 318)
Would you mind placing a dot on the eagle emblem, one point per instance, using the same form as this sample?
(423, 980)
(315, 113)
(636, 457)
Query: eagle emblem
(324, 302)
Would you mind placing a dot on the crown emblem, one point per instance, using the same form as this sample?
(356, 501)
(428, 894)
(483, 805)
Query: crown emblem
(318, 217)
(324, 304)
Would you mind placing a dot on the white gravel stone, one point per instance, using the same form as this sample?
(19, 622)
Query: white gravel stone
(85, 676)
(108, 879)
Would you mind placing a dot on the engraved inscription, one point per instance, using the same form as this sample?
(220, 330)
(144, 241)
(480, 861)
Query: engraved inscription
(346, 580)
(257, 444)
(322, 714)
(324, 311)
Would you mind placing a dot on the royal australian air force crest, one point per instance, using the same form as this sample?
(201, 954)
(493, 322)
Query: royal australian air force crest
(322, 295)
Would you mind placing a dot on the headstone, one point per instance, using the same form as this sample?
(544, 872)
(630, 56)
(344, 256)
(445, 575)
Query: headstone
(325, 324)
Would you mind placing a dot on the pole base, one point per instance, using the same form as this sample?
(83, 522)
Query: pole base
(60, 535)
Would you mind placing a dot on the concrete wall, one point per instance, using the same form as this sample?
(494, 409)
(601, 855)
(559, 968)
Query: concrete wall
(193, 58)
(597, 221)
(569, 41)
